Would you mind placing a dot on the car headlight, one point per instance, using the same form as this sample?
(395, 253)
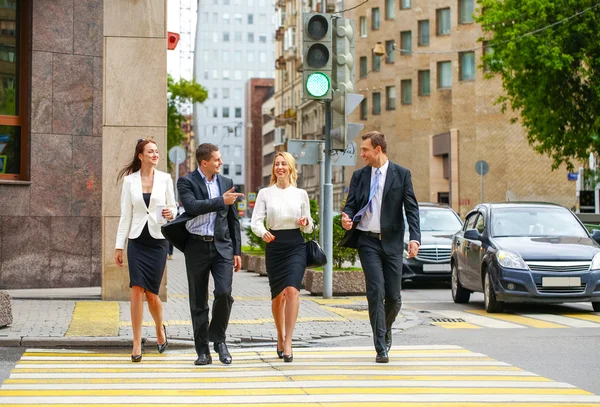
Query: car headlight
(595, 262)
(511, 260)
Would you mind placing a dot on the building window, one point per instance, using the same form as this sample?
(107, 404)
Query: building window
(363, 109)
(237, 56)
(375, 19)
(424, 83)
(406, 86)
(237, 36)
(262, 57)
(238, 112)
(390, 98)
(405, 4)
(226, 18)
(225, 169)
(251, 37)
(262, 38)
(444, 74)
(225, 112)
(466, 9)
(215, 112)
(225, 37)
(423, 33)
(389, 50)
(406, 42)
(237, 151)
(250, 56)
(363, 27)
(363, 67)
(376, 63)
(487, 50)
(467, 66)
(237, 75)
(238, 19)
(237, 93)
(443, 21)
(238, 169)
(376, 103)
(389, 9)
(250, 18)
(225, 93)
(226, 74)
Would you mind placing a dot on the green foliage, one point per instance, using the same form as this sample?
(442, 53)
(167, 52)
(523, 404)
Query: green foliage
(550, 77)
(341, 254)
(179, 93)
(314, 213)
(255, 242)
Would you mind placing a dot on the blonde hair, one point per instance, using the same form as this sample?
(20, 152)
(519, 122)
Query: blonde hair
(291, 163)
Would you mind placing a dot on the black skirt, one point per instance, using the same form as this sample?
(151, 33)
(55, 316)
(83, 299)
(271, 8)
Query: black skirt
(147, 259)
(286, 260)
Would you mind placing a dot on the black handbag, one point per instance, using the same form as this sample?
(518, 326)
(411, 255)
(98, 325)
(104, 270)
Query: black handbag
(315, 256)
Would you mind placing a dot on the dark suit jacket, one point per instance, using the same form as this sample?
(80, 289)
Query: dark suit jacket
(397, 193)
(193, 194)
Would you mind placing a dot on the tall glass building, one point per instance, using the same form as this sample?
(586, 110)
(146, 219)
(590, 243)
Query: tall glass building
(234, 42)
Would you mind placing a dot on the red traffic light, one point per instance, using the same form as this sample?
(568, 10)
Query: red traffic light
(173, 39)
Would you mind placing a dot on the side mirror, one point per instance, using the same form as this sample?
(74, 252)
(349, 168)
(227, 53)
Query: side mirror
(472, 234)
(596, 235)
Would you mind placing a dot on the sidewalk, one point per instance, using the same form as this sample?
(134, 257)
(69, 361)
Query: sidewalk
(91, 322)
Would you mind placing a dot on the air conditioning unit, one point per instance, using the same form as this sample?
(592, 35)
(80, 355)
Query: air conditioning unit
(279, 137)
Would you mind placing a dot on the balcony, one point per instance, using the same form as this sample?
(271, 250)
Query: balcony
(280, 3)
(279, 34)
(280, 63)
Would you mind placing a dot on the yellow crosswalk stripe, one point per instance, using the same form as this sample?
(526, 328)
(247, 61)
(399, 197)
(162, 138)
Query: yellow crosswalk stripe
(585, 317)
(518, 319)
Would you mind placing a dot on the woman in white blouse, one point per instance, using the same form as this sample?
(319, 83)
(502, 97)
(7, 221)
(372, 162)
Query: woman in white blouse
(287, 211)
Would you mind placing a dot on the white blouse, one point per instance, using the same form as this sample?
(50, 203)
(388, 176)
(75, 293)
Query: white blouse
(282, 208)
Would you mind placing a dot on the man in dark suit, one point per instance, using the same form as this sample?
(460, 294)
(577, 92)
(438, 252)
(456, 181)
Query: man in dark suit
(208, 233)
(375, 226)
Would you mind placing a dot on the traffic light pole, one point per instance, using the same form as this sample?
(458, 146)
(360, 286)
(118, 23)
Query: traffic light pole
(328, 208)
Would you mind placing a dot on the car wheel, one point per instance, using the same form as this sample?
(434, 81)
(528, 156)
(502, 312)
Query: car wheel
(596, 306)
(489, 296)
(460, 295)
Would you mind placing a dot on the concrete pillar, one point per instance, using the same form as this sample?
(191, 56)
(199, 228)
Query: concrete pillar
(454, 175)
(135, 106)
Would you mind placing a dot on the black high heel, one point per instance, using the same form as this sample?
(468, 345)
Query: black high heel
(288, 358)
(162, 347)
(136, 358)
(279, 354)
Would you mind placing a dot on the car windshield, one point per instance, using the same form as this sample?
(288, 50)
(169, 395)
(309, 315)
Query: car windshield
(536, 222)
(439, 219)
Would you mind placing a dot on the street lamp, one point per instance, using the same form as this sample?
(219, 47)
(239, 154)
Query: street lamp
(379, 50)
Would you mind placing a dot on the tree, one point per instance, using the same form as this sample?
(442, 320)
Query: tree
(549, 64)
(179, 93)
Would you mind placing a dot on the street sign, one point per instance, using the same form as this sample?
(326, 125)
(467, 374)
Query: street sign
(251, 196)
(572, 176)
(346, 157)
(241, 206)
(177, 155)
(251, 205)
(304, 151)
(481, 167)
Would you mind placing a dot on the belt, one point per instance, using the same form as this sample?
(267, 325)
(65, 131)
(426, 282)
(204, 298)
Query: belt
(202, 238)
(372, 234)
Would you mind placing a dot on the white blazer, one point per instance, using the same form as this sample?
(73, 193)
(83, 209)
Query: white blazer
(135, 214)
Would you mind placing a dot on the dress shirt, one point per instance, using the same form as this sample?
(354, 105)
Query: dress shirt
(370, 221)
(204, 225)
(282, 208)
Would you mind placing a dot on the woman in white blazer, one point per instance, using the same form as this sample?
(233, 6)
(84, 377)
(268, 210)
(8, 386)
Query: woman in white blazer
(147, 201)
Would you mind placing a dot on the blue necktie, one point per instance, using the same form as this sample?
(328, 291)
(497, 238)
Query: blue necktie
(374, 187)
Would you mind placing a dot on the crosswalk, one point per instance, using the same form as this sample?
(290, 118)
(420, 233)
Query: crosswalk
(477, 319)
(423, 376)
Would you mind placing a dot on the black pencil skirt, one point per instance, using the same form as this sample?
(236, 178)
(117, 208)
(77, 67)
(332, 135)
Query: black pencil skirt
(147, 258)
(286, 260)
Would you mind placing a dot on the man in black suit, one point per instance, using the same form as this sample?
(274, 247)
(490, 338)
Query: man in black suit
(208, 233)
(374, 223)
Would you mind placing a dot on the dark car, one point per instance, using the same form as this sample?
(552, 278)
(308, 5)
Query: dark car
(438, 224)
(525, 252)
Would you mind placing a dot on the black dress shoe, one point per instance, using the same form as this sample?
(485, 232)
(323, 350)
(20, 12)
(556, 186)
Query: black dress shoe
(388, 339)
(203, 359)
(382, 357)
(279, 354)
(224, 355)
(162, 347)
(136, 358)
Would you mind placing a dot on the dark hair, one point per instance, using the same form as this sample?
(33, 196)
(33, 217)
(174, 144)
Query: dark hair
(135, 164)
(204, 152)
(377, 139)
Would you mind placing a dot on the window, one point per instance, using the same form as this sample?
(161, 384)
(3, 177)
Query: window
(225, 112)
(250, 74)
(443, 21)
(375, 18)
(215, 93)
(480, 226)
(225, 37)
(405, 4)
(487, 50)
(250, 37)
(215, 112)
(237, 93)
(215, 131)
(262, 19)
(390, 98)
(238, 18)
(466, 8)
(237, 36)
(250, 18)
(225, 93)
(215, 74)
(225, 169)
(237, 151)
(389, 9)
(238, 169)
(467, 66)
(237, 75)
(225, 56)
(238, 112)
(406, 86)
(226, 74)
(444, 74)
(389, 50)
(237, 56)
(424, 83)
(363, 109)
(406, 41)
(206, 74)
(226, 18)
(262, 57)
(376, 63)
(262, 38)
(363, 26)
(423, 33)
(363, 67)
(376, 103)
(205, 17)
(13, 93)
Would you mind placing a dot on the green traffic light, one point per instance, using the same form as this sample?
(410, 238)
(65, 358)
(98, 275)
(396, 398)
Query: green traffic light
(317, 84)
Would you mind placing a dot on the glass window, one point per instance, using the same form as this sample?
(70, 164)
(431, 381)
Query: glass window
(205, 17)
(424, 83)
(390, 98)
(250, 18)
(262, 74)
(237, 75)
(406, 91)
(389, 50)
(238, 169)
(405, 4)
(532, 221)
(215, 55)
(262, 38)
(480, 226)
(215, 74)
(376, 103)
(466, 9)
(215, 37)
(225, 37)
(375, 18)
(467, 66)
(443, 21)
(262, 57)
(470, 222)
(215, 114)
(225, 93)
(215, 93)
(406, 41)
(238, 18)
(225, 2)
(250, 37)
(237, 93)
(364, 109)
(389, 9)
(237, 151)
(225, 112)
(206, 74)
(363, 67)
(376, 63)
(215, 17)
(363, 26)
(237, 56)
(226, 74)
(423, 33)
(225, 169)
(445, 74)
(250, 74)
(262, 19)
(226, 18)
(250, 55)
(238, 112)
(238, 36)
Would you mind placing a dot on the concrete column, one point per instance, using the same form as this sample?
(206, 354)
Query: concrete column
(454, 180)
(135, 106)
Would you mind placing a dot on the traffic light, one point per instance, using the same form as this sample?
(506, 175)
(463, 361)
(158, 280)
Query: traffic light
(343, 55)
(343, 132)
(318, 55)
